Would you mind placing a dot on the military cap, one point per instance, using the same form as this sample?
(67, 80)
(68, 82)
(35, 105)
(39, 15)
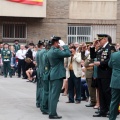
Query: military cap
(101, 36)
(40, 42)
(55, 38)
(31, 44)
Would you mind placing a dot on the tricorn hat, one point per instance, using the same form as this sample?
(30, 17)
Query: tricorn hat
(40, 42)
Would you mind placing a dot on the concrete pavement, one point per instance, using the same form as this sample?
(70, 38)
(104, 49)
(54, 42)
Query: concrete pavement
(17, 102)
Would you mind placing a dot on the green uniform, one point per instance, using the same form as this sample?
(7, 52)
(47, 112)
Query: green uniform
(114, 63)
(6, 58)
(41, 70)
(46, 65)
(57, 74)
(38, 80)
(16, 47)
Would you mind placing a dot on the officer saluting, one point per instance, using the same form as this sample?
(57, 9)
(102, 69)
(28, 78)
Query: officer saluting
(6, 58)
(104, 72)
(56, 57)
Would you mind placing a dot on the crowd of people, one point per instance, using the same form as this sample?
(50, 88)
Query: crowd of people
(80, 71)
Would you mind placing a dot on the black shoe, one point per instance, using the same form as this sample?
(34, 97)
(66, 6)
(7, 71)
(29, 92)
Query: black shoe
(24, 78)
(62, 91)
(37, 105)
(77, 102)
(90, 105)
(69, 102)
(100, 115)
(28, 81)
(10, 76)
(54, 117)
(97, 112)
(45, 113)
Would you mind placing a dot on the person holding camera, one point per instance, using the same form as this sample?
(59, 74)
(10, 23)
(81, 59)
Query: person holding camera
(74, 73)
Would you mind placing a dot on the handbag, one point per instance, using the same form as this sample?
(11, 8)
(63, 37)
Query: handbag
(28, 60)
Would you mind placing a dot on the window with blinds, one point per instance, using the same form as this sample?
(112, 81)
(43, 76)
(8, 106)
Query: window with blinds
(79, 34)
(14, 31)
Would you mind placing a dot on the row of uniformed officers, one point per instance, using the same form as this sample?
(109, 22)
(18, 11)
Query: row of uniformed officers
(51, 72)
(50, 75)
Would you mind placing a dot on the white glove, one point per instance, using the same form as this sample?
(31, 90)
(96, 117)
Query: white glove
(61, 43)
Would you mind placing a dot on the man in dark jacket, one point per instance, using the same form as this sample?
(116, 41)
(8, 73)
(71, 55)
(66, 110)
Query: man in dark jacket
(104, 72)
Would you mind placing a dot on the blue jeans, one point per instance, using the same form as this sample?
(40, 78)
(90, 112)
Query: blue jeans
(84, 89)
(74, 83)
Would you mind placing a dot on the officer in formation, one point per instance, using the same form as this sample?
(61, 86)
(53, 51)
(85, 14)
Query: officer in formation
(46, 70)
(56, 57)
(104, 72)
(6, 58)
(50, 75)
(40, 46)
(16, 45)
(114, 63)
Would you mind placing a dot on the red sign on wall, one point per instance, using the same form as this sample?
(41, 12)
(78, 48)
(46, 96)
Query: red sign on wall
(30, 2)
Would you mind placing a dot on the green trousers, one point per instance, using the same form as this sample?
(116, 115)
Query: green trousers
(41, 94)
(54, 93)
(45, 95)
(38, 94)
(7, 68)
(115, 100)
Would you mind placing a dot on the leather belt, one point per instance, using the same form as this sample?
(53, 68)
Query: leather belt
(89, 68)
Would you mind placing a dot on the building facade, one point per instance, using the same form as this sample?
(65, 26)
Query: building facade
(73, 20)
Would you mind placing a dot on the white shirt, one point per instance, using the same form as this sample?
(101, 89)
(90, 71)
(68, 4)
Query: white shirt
(105, 44)
(21, 54)
(34, 54)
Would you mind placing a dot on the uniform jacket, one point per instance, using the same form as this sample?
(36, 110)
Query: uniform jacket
(16, 47)
(76, 64)
(6, 55)
(37, 61)
(103, 55)
(46, 66)
(114, 63)
(41, 66)
(56, 59)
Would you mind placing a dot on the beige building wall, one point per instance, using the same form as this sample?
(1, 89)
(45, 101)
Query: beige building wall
(8, 8)
(93, 9)
(118, 22)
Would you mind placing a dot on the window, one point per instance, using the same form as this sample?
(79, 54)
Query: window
(14, 31)
(79, 34)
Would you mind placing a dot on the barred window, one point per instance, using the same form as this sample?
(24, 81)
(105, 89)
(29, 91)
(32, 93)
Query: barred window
(14, 31)
(79, 34)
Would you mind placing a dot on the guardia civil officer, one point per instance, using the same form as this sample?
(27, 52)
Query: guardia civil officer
(40, 46)
(6, 58)
(56, 57)
(41, 70)
(46, 67)
(114, 63)
(103, 72)
(16, 45)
